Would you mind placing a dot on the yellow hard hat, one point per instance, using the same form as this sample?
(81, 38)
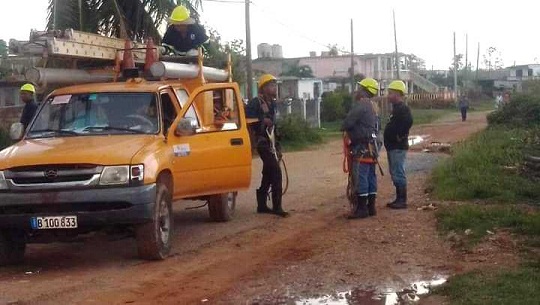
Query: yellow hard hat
(29, 88)
(398, 85)
(181, 15)
(370, 84)
(266, 78)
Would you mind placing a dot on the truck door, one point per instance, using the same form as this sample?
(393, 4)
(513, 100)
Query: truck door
(216, 156)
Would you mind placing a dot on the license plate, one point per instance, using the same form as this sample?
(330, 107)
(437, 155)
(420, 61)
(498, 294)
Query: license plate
(54, 222)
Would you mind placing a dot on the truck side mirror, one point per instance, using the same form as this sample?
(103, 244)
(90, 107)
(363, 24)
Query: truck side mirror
(186, 127)
(16, 131)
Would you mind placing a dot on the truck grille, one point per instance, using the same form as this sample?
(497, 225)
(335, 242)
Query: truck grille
(61, 175)
(63, 208)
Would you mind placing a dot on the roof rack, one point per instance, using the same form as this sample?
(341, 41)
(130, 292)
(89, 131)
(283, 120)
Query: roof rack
(106, 58)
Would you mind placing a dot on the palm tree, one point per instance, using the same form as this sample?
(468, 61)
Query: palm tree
(133, 19)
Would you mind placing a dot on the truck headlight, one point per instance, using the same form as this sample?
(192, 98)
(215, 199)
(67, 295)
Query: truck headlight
(114, 175)
(3, 183)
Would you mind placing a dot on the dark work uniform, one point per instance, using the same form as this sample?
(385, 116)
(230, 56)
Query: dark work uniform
(396, 142)
(271, 173)
(195, 37)
(28, 113)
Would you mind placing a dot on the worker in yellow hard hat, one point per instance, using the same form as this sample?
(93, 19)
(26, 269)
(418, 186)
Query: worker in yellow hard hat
(184, 34)
(263, 108)
(396, 141)
(27, 93)
(361, 127)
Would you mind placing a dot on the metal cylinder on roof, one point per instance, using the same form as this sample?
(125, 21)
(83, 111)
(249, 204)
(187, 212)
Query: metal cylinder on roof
(65, 76)
(178, 70)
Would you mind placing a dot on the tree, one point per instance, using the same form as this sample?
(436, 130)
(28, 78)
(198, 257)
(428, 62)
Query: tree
(217, 53)
(133, 19)
(493, 59)
(297, 70)
(3, 49)
(333, 50)
(415, 63)
(459, 60)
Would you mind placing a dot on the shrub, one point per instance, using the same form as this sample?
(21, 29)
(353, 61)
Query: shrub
(522, 111)
(332, 107)
(295, 132)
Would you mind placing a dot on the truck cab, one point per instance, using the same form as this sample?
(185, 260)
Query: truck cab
(119, 154)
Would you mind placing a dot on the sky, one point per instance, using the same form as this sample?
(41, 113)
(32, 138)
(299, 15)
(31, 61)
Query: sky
(424, 28)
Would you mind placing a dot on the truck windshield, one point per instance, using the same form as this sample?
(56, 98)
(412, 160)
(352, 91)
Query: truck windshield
(96, 113)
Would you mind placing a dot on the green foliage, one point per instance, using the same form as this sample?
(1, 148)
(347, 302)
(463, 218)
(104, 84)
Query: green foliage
(134, 19)
(295, 133)
(217, 54)
(3, 48)
(427, 116)
(334, 106)
(484, 167)
(479, 219)
(5, 140)
(301, 71)
(516, 287)
(522, 111)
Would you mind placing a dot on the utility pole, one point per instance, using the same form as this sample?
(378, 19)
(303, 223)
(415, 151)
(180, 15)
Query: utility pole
(249, 80)
(80, 16)
(467, 55)
(352, 59)
(478, 61)
(55, 8)
(455, 71)
(395, 42)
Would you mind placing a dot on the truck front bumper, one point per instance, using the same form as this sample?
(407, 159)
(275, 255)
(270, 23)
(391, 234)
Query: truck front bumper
(93, 207)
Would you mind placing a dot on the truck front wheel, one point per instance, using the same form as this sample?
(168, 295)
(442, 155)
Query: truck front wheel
(12, 247)
(221, 207)
(154, 239)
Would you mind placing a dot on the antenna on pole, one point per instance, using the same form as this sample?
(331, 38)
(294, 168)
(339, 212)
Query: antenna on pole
(395, 42)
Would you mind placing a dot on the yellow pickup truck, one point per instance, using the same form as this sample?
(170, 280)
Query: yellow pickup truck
(119, 154)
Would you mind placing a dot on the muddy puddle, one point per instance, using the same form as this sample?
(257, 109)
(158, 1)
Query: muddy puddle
(384, 296)
(361, 296)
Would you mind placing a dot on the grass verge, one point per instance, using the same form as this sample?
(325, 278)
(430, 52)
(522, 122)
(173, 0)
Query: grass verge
(427, 116)
(487, 167)
(481, 218)
(520, 286)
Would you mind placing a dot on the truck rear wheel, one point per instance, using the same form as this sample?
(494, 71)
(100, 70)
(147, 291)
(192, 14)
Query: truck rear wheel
(154, 239)
(12, 248)
(221, 207)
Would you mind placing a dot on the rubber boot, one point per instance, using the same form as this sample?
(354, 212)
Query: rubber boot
(401, 202)
(361, 208)
(276, 204)
(394, 201)
(261, 202)
(371, 205)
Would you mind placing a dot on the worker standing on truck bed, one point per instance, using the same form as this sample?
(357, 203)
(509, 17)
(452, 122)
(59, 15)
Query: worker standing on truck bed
(27, 96)
(263, 108)
(183, 34)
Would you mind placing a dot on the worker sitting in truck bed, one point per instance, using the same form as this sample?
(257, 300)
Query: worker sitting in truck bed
(184, 35)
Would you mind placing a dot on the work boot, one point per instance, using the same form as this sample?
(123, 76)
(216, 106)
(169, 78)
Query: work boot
(276, 204)
(361, 210)
(401, 202)
(394, 201)
(261, 202)
(371, 205)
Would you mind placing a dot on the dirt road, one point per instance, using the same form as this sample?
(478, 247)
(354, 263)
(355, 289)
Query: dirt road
(254, 258)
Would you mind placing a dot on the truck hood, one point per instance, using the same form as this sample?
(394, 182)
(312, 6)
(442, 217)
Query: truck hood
(101, 150)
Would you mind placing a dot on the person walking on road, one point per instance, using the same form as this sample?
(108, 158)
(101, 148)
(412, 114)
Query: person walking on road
(361, 126)
(396, 141)
(27, 93)
(463, 107)
(263, 107)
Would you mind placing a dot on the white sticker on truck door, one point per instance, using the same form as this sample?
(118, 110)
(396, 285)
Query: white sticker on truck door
(181, 150)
